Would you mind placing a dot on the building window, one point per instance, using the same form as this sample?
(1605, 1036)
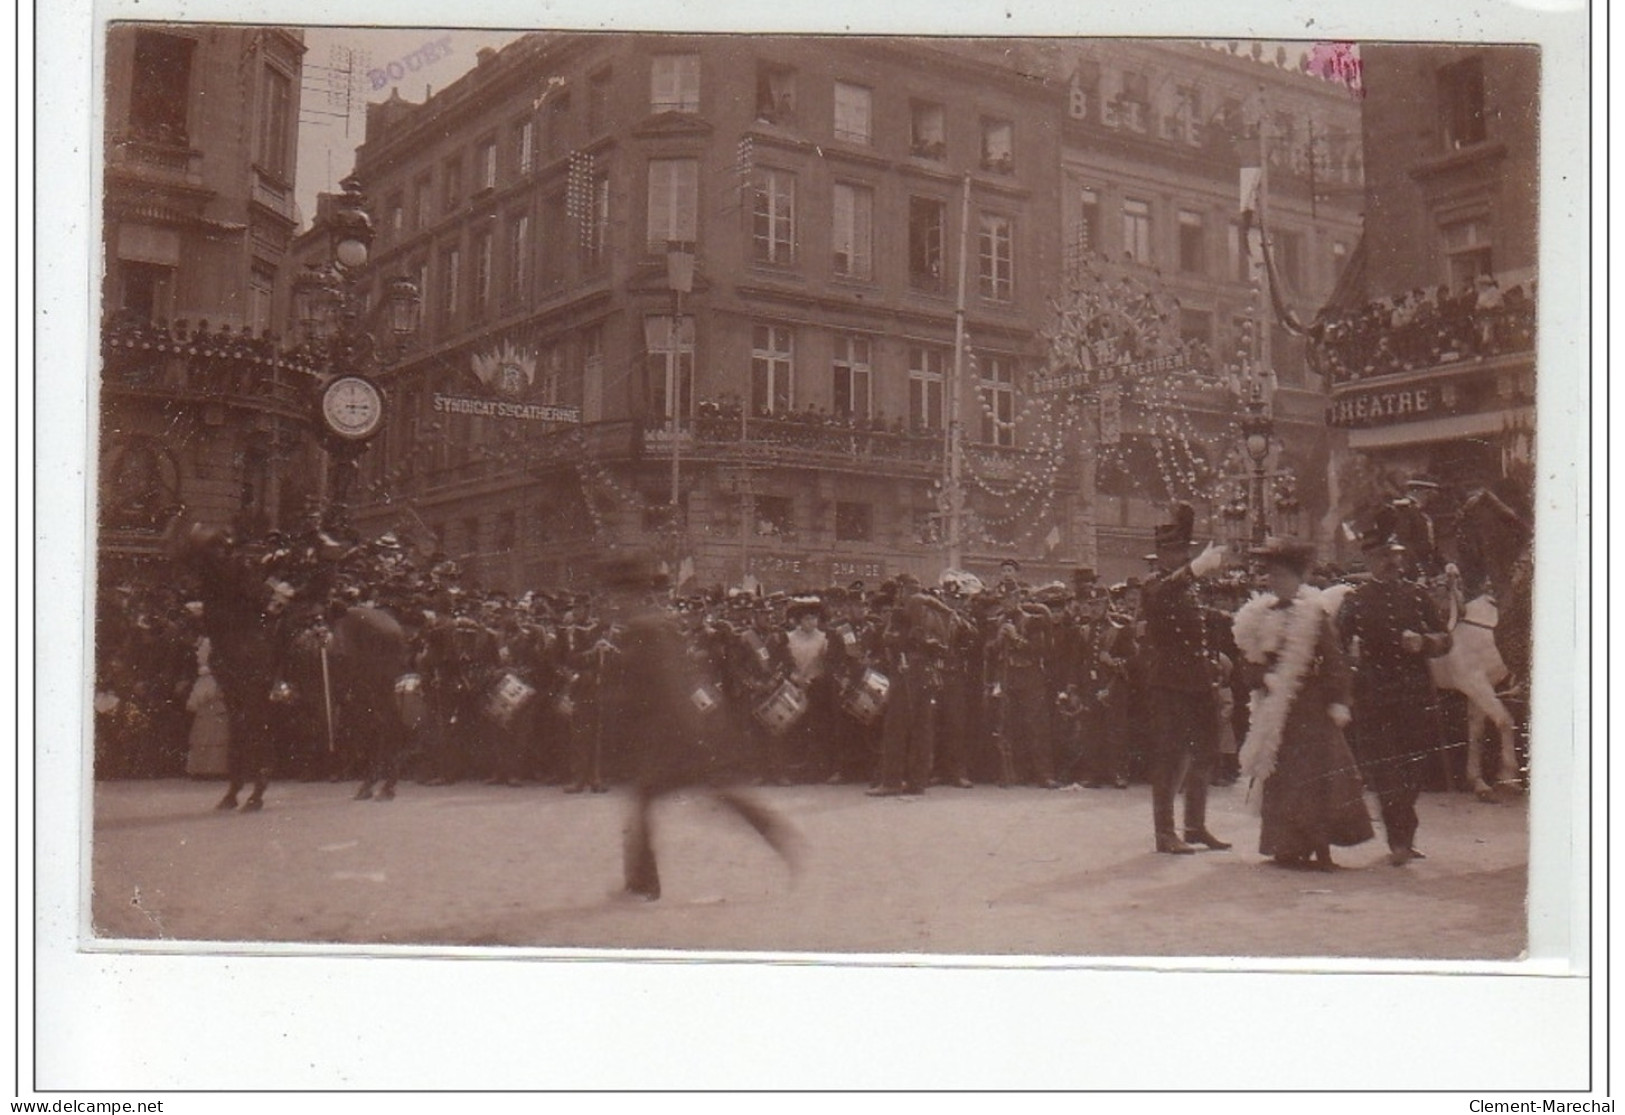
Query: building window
(674, 186)
(998, 146)
(420, 272)
(592, 373)
(1186, 121)
(1137, 231)
(927, 221)
(519, 249)
(773, 218)
(1340, 258)
(395, 215)
(772, 367)
(674, 83)
(925, 382)
(1241, 263)
(1291, 259)
(852, 383)
(507, 532)
(524, 143)
(853, 104)
(451, 190)
(1134, 102)
(146, 288)
(160, 87)
(928, 130)
(854, 522)
(1088, 219)
(485, 163)
(597, 233)
(997, 394)
(775, 93)
(471, 536)
(451, 265)
(854, 208)
(775, 516)
(261, 285)
(1192, 242)
(422, 191)
(598, 103)
(276, 134)
(1461, 103)
(1467, 251)
(484, 250)
(669, 365)
(995, 264)
(558, 125)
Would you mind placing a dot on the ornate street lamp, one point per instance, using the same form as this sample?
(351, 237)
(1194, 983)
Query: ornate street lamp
(349, 405)
(1257, 428)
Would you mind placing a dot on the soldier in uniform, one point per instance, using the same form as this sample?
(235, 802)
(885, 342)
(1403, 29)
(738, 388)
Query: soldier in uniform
(1181, 678)
(1018, 654)
(664, 724)
(1392, 627)
(917, 635)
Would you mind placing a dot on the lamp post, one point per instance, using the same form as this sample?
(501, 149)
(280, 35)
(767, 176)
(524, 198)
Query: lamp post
(349, 405)
(1257, 428)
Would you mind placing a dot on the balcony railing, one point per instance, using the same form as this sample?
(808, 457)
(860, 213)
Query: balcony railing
(146, 359)
(1423, 330)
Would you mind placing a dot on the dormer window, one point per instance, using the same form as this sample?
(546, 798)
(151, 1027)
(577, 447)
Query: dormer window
(775, 93)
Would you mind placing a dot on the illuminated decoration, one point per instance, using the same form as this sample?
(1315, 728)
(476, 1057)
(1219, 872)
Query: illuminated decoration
(1114, 346)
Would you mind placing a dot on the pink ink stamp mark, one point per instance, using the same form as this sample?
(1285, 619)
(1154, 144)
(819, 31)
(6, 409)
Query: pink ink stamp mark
(1337, 62)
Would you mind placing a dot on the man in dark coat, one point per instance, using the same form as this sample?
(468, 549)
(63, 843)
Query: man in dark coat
(1182, 677)
(1393, 628)
(918, 635)
(240, 610)
(666, 726)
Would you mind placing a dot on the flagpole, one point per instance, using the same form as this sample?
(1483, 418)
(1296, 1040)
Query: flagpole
(956, 501)
(1266, 361)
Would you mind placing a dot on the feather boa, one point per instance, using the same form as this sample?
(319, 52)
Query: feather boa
(1289, 635)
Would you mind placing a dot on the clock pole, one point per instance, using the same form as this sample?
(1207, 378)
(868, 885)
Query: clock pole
(349, 406)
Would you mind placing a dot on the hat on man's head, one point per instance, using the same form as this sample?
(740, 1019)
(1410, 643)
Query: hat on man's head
(1283, 552)
(1424, 482)
(1178, 532)
(1377, 539)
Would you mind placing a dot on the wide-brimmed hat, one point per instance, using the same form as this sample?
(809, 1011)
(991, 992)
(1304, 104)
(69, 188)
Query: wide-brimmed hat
(1296, 556)
(804, 605)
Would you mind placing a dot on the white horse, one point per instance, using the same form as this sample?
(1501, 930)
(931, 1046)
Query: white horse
(1474, 668)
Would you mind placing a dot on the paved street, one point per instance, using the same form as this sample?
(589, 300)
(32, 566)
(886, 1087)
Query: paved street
(983, 871)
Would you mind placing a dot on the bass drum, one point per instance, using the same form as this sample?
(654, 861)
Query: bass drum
(866, 700)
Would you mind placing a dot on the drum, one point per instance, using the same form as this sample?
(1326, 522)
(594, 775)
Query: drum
(409, 700)
(507, 698)
(782, 709)
(866, 700)
(706, 698)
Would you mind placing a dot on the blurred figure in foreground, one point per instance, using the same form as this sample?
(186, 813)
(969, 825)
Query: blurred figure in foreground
(676, 736)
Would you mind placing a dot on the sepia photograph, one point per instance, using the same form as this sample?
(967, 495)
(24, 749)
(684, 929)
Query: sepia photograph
(862, 497)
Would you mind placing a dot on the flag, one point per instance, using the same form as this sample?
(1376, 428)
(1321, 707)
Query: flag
(1053, 538)
(1252, 178)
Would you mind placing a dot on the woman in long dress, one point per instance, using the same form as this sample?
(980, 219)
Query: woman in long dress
(1295, 753)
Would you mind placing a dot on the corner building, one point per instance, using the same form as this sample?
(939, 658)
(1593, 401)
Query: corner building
(737, 260)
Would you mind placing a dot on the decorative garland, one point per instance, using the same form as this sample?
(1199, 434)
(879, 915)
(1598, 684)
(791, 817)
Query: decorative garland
(1289, 634)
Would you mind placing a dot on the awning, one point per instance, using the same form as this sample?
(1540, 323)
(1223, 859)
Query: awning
(1455, 428)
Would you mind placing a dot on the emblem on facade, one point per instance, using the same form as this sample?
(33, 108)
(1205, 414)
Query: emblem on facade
(509, 372)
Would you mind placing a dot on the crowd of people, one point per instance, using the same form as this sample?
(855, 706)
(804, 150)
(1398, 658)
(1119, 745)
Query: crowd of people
(1422, 328)
(898, 687)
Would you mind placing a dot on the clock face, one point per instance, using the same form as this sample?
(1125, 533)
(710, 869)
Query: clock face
(352, 407)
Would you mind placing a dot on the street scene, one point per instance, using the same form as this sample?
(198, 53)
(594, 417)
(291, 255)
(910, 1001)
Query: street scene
(1020, 872)
(833, 495)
